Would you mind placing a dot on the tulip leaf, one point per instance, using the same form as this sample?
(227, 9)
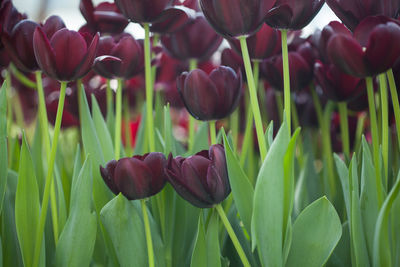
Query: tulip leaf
(76, 243)
(102, 131)
(269, 134)
(200, 138)
(382, 255)
(3, 144)
(169, 146)
(343, 174)
(77, 166)
(124, 225)
(27, 205)
(242, 189)
(316, 232)
(199, 256)
(140, 144)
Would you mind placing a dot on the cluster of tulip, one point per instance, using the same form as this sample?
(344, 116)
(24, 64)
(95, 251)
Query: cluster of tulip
(90, 85)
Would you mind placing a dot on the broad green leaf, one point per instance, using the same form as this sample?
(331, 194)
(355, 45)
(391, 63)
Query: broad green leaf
(199, 256)
(200, 138)
(343, 173)
(3, 144)
(27, 205)
(168, 135)
(242, 189)
(77, 166)
(269, 135)
(212, 241)
(76, 243)
(38, 157)
(140, 145)
(382, 255)
(316, 232)
(341, 256)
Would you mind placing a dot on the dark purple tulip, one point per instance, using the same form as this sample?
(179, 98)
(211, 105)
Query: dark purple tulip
(263, 44)
(119, 57)
(236, 17)
(103, 18)
(293, 14)
(196, 40)
(9, 16)
(201, 179)
(162, 13)
(372, 50)
(210, 97)
(65, 56)
(352, 12)
(334, 27)
(230, 58)
(337, 85)
(137, 177)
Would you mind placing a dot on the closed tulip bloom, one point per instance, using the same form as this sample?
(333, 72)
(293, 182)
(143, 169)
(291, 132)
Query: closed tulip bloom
(236, 17)
(352, 12)
(210, 97)
(263, 44)
(104, 18)
(65, 56)
(9, 16)
(137, 177)
(196, 40)
(372, 49)
(121, 58)
(201, 179)
(293, 14)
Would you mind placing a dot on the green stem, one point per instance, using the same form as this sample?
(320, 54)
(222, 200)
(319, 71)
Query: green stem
(110, 106)
(359, 130)
(296, 123)
(232, 235)
(344, 128)
(127, 120)
(327, 147)
(395, 101)
(192, 121)
(318, 107)
(49, 177)
(375, 136)
(9, 112)
(213, 133)
(118, 119)
(253, 98)
(385, 126)
(149, 88)
(247, 135)
(22, 78)
(279, 105)
(234, 125)
(286, 77)
(149, 241)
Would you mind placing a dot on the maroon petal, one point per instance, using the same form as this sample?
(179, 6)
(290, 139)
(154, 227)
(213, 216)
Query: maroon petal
(107, 66)
(87, 9)
(172, 19)
(87, 62)
(108, 176)
(44, 53)
(280, 17)
(52, 25)
(156, 162)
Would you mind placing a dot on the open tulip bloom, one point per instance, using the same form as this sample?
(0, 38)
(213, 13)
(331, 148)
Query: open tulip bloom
(270, 149)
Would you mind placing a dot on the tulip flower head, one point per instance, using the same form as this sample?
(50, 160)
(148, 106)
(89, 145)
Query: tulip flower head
(210, 97)
(201, 179)
(137, 177)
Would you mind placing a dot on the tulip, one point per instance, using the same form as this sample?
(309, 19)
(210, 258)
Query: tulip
(230, 58)
(210, 97)
(352, 12)
(201, 179)
(137, 177)
(372, 49)
(9, 16)
(293, 14)
(104, 18)
(196, 40)
(122, 58)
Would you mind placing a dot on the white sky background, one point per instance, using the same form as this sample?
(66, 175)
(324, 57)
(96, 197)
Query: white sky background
(69, 11)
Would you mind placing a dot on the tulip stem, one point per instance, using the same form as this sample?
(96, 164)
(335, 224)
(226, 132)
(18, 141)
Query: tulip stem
(118, 119)
(22, 78)
(192, 121)
(46, 139)
(149, 241)
(327, 147)
(385, 126)
(149, 88)
(375, 137)
(213, 133)
(395, 101)
(359, 130)
(286, 77)
(232, 235)
(127, 120)
(9, 112)
(110, 105)
(344, 128)
(253, 98)
(247, 135)
(49, 177)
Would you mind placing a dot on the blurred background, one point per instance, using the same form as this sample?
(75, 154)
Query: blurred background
(69, 10)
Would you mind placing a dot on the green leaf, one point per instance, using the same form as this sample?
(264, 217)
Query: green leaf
(126, 230)
(199, 256)
(343, 173)
(76, 244)
(242, 189)
(269, 135)
(382, 253)
(26, 205)
(201, 138)
(168, 135)
(316, 233)
(3, 144)
(140, 146)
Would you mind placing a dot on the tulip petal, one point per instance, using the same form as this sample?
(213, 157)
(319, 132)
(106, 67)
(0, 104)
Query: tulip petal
(44, 53)
(108, 176)
(280, 16)
(172, 19)
(87, 62)
(107, 66)
(52, 25)
(156, 162)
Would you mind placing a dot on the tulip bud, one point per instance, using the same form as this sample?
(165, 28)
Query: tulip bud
(201, 179)
(210, 97)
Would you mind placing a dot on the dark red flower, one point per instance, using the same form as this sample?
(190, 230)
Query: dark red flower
(372, 50)
(103, 18)
(9, 16)
(210, 97)
(230, 58)
(65, 56)
(201, 179)
(352, 12)
(261, 45)
(196, 40)
(137, 177)
(120, 57)
(236, 17)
